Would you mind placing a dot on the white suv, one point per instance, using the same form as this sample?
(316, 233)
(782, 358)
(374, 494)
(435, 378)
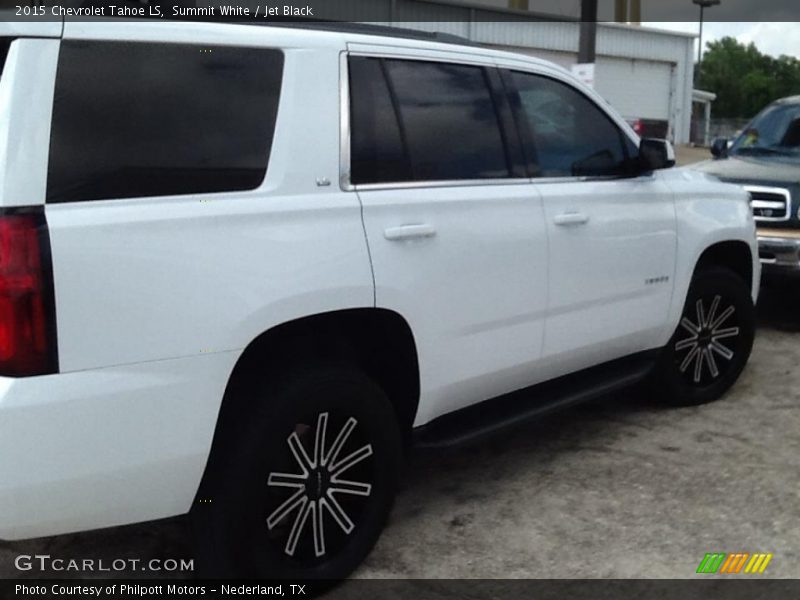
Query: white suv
(243, 268)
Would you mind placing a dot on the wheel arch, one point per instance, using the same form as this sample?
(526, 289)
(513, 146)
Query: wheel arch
(734, 255)
(730, 252)
(377, 341)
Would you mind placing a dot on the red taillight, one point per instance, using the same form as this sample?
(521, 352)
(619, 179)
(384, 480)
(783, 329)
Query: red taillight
(27, 327)
(638, 126)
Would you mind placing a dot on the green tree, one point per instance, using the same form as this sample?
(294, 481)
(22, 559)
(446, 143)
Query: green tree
(744, 79)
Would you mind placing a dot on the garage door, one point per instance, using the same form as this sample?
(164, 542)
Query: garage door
(636, 88)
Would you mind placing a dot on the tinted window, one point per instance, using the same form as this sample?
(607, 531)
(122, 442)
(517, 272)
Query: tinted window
(134, 120)
(569, 134)
(423, 121)
(449, 119)
(377, 150)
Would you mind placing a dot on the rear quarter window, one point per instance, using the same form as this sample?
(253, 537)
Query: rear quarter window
(137, 119)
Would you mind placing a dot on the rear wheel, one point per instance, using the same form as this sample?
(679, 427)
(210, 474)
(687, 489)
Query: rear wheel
(712, 342)
(305, 491)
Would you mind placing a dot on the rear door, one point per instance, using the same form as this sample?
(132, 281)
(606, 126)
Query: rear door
(455, 230)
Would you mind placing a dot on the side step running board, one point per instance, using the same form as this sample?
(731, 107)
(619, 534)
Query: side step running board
(517, 408)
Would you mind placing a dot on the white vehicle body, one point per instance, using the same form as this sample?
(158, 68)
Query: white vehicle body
(503, 284)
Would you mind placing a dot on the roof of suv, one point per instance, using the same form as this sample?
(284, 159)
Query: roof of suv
(376, 30)
(335, 33)
(366, 33)
(358, 33)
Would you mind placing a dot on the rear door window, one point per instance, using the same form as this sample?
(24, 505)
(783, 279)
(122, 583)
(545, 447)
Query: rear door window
(423, 121)
(379, 153)
(136, 119)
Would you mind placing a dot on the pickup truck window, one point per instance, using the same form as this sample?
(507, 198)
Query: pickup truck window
(775, 132)
(140, 119)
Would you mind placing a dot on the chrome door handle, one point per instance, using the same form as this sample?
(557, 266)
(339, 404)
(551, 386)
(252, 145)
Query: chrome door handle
(409, 232)
(571, 218)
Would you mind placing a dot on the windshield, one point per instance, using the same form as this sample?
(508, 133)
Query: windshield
(774, 132)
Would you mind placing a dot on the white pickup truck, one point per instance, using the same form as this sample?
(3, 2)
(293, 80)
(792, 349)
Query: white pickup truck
(243, 268)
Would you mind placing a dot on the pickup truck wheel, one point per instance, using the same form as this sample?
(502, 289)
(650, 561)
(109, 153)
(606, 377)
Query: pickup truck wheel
(712, 342)
(307, 489)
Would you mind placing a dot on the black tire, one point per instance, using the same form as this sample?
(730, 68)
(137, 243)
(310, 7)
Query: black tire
(240, 529)
(721, 345)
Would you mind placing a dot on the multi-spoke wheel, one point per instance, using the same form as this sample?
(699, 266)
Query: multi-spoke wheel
(707, 341)
(314, 510)
(305, 490)
(712, 342)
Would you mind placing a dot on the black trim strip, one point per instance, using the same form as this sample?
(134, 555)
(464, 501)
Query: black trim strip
(515, 156)
(485, 419)
(524, 133)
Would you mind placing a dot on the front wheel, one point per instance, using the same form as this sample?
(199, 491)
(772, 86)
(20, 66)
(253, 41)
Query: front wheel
(712, 342)
(305, 489)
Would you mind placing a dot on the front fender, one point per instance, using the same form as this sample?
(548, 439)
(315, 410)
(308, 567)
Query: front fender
(708, 212)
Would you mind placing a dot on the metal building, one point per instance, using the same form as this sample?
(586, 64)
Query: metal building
(644, 73)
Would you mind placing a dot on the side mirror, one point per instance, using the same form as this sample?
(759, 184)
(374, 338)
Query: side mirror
(656, 154)
(719, 148)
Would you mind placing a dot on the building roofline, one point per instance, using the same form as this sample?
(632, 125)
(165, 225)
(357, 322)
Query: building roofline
(703, 95)
(647, 29)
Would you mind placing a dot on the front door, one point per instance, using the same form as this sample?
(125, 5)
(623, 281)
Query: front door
(612, 234)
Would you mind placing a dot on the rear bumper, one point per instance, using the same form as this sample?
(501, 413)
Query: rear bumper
(779, 253)
(106, 447)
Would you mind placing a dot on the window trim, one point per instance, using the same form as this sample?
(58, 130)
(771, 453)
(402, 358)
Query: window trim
(344, 123)
(345, 147)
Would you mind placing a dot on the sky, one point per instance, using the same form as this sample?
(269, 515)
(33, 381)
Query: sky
(774, 38)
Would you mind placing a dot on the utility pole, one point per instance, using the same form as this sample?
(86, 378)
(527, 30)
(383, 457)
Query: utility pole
(623, 15)
(588, 40)
(621, 11)
(636, 12)
(587, 43)
(703, 4)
